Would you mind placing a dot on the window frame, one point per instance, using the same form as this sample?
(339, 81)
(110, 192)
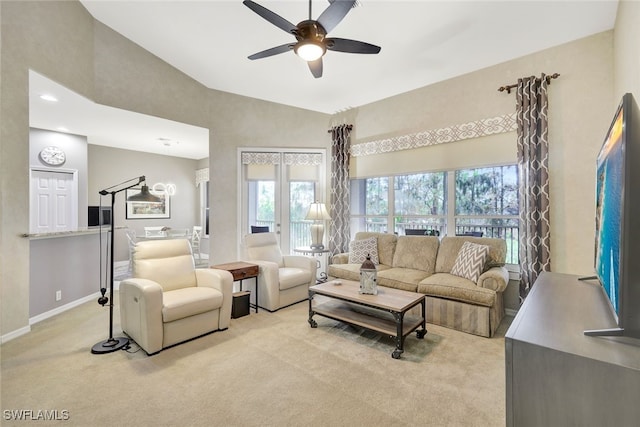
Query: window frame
(450, 219)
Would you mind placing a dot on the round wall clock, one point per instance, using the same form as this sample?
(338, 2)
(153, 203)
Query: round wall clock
(53, 155)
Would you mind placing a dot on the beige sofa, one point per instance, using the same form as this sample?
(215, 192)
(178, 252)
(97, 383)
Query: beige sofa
(424, 263)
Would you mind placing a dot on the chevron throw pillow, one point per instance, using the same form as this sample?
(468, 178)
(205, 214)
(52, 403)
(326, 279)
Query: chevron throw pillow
(359, 249)
(470, 261)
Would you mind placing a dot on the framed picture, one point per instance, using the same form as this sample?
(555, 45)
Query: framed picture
(144, 210)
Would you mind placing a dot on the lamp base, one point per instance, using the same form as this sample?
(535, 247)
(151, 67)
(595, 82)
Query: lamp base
(110, 345)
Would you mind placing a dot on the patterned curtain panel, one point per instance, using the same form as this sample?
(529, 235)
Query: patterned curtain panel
(533, 160)
(339, 233)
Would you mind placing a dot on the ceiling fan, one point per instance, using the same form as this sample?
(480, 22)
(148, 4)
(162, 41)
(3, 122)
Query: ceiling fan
(311, 35)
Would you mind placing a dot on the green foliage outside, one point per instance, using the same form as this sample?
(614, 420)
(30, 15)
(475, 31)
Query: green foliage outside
(487, 191)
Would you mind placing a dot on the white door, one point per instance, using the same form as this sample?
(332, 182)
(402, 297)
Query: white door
(278, 188)
(53, 201)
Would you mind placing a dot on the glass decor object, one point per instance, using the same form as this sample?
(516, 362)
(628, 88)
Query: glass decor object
(368, 277)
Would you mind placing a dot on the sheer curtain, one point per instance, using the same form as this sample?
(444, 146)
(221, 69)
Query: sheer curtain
(339, 233)
(533, 168)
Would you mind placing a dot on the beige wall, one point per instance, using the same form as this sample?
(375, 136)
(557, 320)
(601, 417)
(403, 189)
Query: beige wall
(627, 51)
(39, 37)
(579, 113)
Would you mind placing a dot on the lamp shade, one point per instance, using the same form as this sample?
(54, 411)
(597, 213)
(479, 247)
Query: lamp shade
(317, 211)
(144, 196)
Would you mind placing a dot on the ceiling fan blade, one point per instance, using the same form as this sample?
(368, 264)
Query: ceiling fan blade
(270, 16)
(333, 14)
(273, 51)
(316, 67)
(350, 46)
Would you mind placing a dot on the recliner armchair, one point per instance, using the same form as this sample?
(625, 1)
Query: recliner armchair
(168, 300)
(283, 279)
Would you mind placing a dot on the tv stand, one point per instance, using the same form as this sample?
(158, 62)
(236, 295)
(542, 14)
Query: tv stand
(558, 376)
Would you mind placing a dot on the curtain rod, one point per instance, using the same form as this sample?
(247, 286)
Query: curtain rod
(350, 127)
(509, 87)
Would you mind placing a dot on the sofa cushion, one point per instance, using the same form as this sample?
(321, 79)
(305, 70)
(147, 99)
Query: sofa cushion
(386, 245)
(351, 271)
(290, 277)
(470, 261)
(406, 279)
(444, 285)
(359, 249)
(416, 252)
(450, 246)
(185, 302)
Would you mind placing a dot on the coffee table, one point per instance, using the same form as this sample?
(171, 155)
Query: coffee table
(384, 313)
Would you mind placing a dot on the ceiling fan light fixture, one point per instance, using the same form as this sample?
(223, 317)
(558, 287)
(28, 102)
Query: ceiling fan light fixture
(311, 35)
(309, 50)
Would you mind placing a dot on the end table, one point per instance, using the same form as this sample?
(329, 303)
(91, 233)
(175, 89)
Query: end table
(322, 273)
(241, 270)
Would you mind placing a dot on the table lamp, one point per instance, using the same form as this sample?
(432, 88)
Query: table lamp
(318, 213)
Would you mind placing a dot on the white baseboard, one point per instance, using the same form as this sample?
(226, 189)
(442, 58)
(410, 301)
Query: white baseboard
(15, 334)
(62, 308)
(40, 317)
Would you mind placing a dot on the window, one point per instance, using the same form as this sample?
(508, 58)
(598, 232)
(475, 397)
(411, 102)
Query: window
(481, 200)
(487, 202)
(370, 204)
(278, 187)
(420, 202)
(301, 195)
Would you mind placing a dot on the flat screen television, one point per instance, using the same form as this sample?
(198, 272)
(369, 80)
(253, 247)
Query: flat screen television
(617, 236)
(99, 215)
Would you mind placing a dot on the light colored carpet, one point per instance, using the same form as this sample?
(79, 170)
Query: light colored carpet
(267, 369)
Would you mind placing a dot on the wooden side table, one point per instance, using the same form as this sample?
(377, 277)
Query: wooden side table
(241, 270)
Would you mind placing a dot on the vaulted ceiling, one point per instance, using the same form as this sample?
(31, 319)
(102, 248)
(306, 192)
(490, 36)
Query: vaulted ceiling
(423, 42)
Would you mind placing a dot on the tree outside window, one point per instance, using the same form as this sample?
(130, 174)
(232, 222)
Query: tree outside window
(487, 202)
(483, 200)
(420, 202)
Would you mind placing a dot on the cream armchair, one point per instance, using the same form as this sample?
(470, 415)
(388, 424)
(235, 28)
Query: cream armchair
(283, 279)
(168, 300)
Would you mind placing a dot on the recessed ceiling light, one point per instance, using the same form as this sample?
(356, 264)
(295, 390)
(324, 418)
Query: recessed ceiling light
(167, 142)
(48, 97)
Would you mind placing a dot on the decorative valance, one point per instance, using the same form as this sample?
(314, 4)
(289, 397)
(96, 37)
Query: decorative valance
(303, 159)
(260, 158)
(202, 175)
(299, 159)
(475, 129)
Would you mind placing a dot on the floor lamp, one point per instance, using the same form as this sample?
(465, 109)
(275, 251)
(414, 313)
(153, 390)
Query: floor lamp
(113, 344)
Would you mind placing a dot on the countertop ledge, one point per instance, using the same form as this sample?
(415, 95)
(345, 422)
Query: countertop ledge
(72, 233)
